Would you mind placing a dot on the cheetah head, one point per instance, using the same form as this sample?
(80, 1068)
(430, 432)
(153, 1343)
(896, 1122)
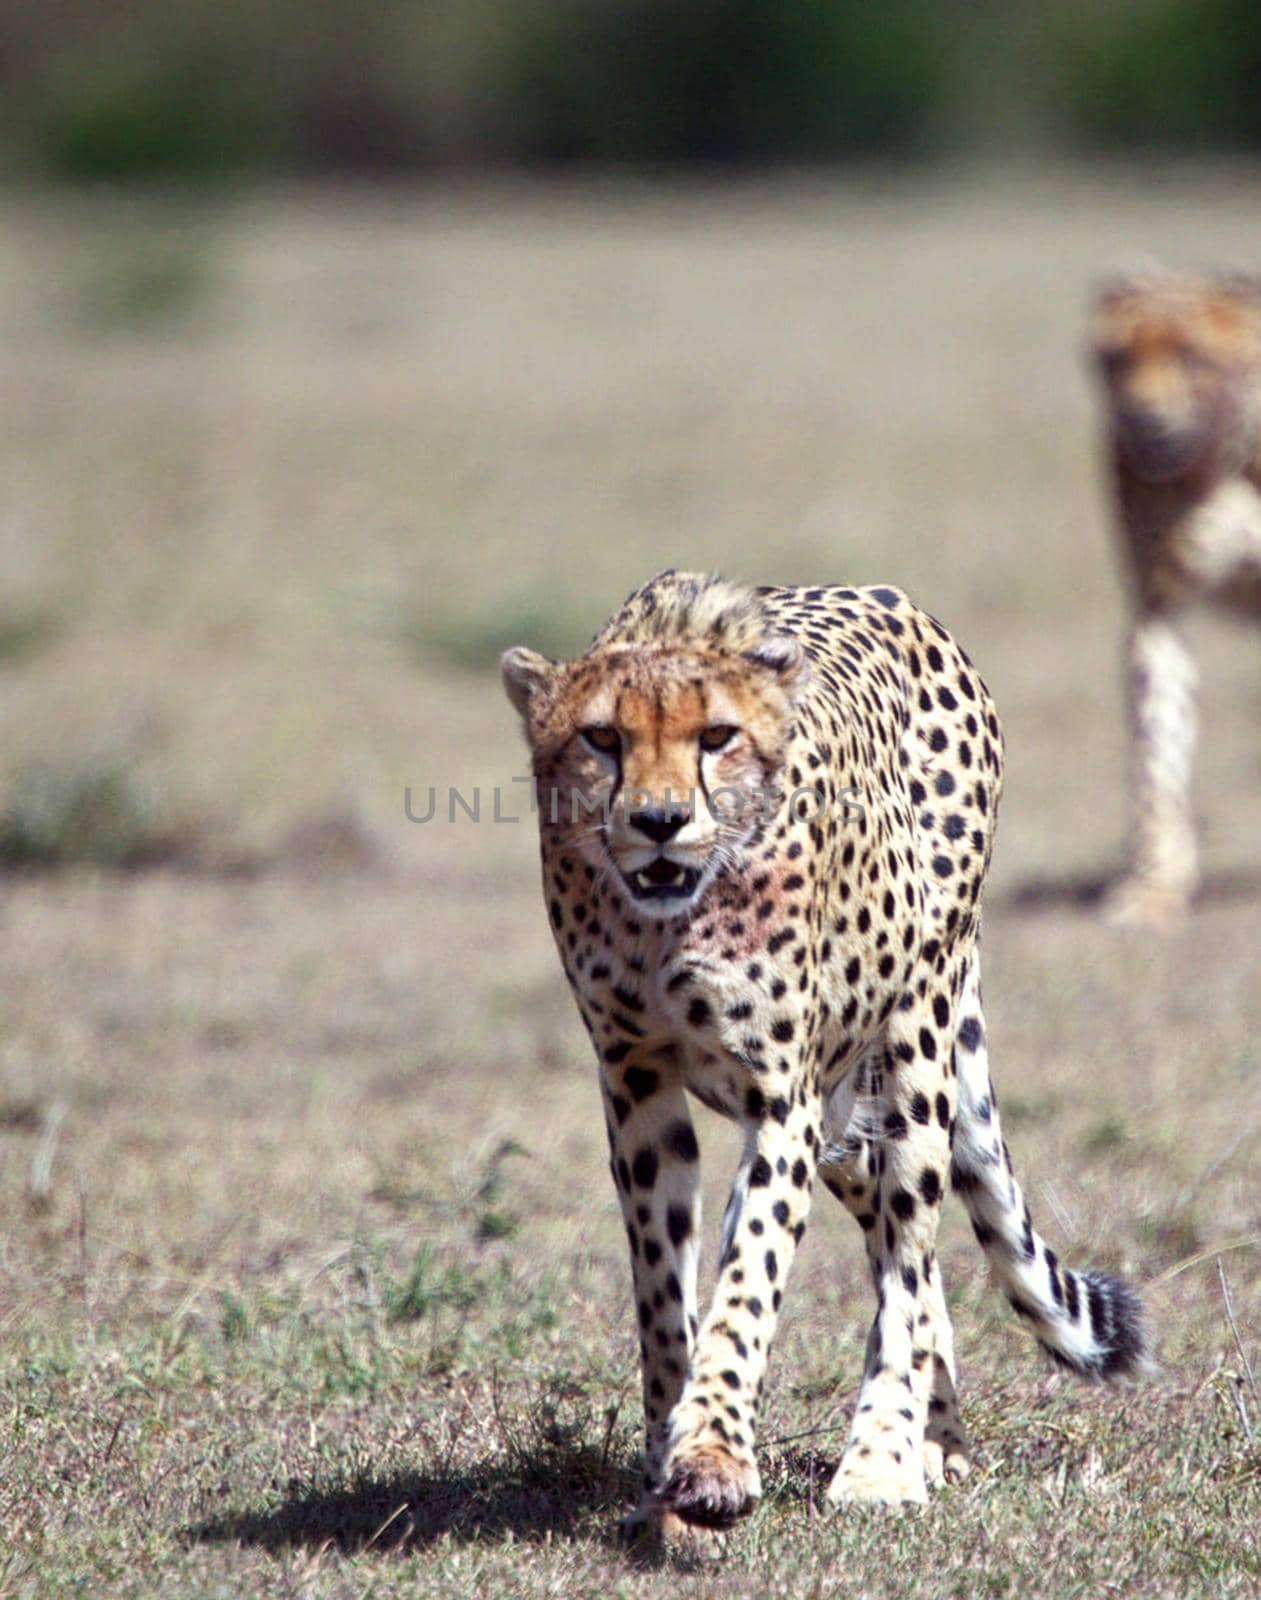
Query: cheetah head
(657, 763)
(1178, 359)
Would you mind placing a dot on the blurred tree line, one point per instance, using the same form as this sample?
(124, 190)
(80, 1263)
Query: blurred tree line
(207, 88)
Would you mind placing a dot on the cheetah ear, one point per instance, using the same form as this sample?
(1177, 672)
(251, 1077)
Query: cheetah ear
(784, 657)
(1126, 278)
(524, 673)
(1242, 285)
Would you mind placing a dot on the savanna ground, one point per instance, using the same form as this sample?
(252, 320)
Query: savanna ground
(311, 1278)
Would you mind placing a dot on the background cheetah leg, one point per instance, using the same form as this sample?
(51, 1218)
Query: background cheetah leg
(1162, 873)
(656, 1169)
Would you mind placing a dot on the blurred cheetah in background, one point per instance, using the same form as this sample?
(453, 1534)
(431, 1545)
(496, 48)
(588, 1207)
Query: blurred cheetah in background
(1180, 363)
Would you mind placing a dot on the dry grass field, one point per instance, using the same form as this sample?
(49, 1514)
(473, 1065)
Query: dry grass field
(311, 1277)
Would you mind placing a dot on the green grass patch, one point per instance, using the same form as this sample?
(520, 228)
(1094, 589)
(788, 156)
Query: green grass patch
(96, 812)
(26, 631)
(150, 277)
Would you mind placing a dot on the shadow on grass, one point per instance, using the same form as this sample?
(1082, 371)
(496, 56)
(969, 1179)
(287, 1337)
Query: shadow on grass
(484, 1502)
(1085, 891)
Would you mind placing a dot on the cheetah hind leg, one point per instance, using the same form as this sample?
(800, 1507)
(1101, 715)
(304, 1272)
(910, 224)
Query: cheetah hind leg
(946, 1458)
(847, 1167)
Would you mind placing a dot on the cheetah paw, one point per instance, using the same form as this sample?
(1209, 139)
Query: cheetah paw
(876, 1479)
(1137, 903)
(945, 1462)
(709, 1487)
(654, 1533)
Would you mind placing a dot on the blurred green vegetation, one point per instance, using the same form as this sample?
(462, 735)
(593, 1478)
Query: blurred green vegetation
(196, 91)
(25, 630)
(146, 274)
(1176, 74)
(92, 812)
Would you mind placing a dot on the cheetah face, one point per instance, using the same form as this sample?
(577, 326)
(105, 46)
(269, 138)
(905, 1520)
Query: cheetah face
(657, 765)
(663, 837)
(1171, 354)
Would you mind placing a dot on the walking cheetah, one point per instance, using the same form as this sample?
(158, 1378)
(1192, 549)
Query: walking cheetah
(765, 818)
(1180, 364)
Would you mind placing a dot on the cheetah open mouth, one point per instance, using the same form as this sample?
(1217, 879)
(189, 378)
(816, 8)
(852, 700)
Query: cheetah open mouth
(663, 880)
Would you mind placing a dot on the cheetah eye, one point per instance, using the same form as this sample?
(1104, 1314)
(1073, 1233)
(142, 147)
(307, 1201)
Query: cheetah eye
(607, 741)
(717, 737)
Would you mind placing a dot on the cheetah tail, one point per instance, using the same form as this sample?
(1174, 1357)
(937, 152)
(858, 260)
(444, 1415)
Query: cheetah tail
(1089, 1322)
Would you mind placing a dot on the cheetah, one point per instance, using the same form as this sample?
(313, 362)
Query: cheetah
(765, 819)
(1179, 359)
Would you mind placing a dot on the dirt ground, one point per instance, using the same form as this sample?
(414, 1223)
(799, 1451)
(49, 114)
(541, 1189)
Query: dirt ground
(311, 1276)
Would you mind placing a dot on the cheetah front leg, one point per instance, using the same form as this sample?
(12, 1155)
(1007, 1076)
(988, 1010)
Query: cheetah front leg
(710, 1475)
(656, 1168)
(885, 1460)
(1162, 873)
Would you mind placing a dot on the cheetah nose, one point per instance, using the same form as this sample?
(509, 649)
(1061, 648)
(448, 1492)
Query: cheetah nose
(659, 825)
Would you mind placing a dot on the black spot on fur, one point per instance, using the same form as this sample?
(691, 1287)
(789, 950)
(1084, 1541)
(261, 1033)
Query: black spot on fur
(644, 1167)
(678, 1224)
(680, 1140)
(641, 1081)
(970, 1033)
